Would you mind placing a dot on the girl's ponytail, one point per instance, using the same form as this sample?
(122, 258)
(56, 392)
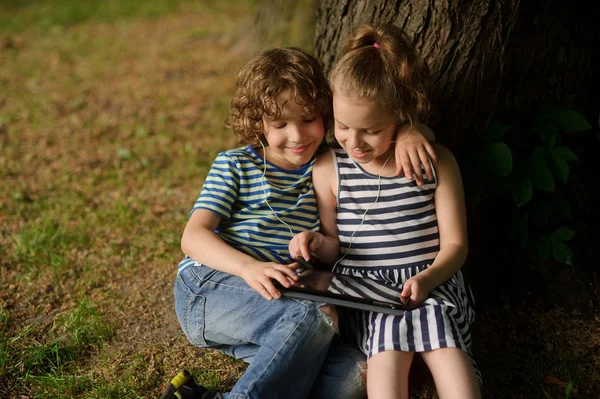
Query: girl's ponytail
(363, 36)
(379, 63)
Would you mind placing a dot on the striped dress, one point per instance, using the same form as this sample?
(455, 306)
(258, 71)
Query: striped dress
(398, 239)
(236, 191)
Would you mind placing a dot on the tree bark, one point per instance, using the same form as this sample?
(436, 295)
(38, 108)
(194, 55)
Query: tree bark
(284, 23)
(504, 56)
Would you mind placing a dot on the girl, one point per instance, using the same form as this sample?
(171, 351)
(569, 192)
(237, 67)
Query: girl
(253, 201)
(387, 226)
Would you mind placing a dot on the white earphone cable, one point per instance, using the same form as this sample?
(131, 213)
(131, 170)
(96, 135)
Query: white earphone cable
(263, 181)
(265, 191)
(364, 216)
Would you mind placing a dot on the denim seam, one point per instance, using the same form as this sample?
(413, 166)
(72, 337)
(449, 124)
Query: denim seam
(281, 347)
(229, 285)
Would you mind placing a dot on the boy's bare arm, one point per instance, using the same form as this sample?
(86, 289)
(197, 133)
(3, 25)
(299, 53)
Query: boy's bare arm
(201, 244)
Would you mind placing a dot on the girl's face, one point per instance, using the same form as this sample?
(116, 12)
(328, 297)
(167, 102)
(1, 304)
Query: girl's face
(293, 139)
(364, 129)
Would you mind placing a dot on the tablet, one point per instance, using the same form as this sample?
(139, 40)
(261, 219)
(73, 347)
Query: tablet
(342, 290)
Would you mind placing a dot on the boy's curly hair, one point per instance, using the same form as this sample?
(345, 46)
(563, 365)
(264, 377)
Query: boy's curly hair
(380, 64)
(264, 78)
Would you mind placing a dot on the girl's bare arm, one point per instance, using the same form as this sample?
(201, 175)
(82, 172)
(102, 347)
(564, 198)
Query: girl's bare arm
(452, 222)
(324, 245)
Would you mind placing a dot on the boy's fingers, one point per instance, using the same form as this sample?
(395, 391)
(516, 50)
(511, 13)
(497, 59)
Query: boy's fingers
(277, 275)
(292, 281)
(262, 291)
(270, 287)
(287, 270)
(292, 266)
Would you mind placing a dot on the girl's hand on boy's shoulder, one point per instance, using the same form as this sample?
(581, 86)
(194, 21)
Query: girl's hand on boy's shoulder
(305, 244)
(413, 149)
(260, 277)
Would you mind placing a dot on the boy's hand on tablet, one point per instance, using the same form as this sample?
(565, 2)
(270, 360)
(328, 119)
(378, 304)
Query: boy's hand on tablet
(260, 276)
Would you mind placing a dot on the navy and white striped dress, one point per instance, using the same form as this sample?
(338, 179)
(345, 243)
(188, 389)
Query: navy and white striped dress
(398, 239)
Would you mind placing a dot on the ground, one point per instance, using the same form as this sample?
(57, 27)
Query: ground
(107, 128)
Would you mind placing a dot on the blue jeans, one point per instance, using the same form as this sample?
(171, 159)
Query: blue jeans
(285, 341)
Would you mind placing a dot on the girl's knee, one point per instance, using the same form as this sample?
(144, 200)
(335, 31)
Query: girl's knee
(453, 371)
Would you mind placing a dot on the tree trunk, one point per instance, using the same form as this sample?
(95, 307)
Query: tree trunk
(284, 23)
(485, 56)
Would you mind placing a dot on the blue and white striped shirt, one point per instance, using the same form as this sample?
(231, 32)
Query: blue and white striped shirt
(236, 191)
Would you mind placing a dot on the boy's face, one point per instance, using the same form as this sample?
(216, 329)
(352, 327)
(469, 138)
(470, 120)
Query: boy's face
(363, 128)
(293, 139)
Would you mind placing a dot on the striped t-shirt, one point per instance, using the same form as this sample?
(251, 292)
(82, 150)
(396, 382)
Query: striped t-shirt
(236, 191)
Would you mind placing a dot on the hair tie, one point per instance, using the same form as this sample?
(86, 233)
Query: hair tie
(376, 45)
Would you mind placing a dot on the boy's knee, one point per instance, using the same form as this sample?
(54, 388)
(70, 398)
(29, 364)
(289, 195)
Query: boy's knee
(331, 313)
(362, 374)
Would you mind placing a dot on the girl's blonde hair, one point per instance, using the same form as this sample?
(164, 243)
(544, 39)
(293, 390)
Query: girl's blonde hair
(380, 64)
(264, 78)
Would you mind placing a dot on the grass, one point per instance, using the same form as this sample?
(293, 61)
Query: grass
(110, 116)
(46, 354)
(109, 119)
(56, 15)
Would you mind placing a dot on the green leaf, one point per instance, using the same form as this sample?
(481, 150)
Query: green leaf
(569, 121)
(564, 153)
(541, 175)
(561, 252)
(522, 192)
(499, 157)
(495, 132)
(561, 169)
(544, 249)
(562, 234)
(547, 129)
